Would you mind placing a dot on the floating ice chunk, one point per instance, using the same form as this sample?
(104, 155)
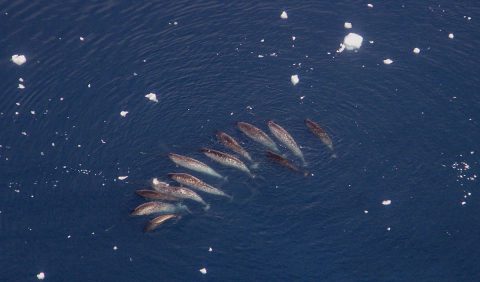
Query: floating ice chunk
(20, 79)
(115, 248)
(203, 271)
(294, 79)
(210, 249)
(152, 97)
(352, 41)
(122, 177)
(370, 5)
(81, 38)
(284, 15)
(416, 50)
(387, 61)
(386, 202)
(123, 113)
(293, 38)
(365, 211)
(41, 276)
(340, 50)
(347, 25)
(451, 36)
(21, 86)
(19, 59)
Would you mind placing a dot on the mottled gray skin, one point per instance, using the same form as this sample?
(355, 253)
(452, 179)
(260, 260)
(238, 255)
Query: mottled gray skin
(157, 221)
(226, 160)
(195, 183)
(233, 145)
(286, 139)
(193, 164)
(320, 133)
(285, 162)
(159, 208)
(178, 192)
(257, 135)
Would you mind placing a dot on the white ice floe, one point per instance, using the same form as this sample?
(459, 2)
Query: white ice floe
(294, 79)
(20, 79)
(81, 38)
(115, 248)
(347, 25)
(123, 113)
(152, 97)
(210, 249)
(19, 59)
(365, 211)
(293, 38)
(89, 85)
(387, 61)
(352, 41)
(122, 177)
(203, 271)
(386, 202)
(284, 15)
(21, 86)
(370, 5)
(416, 50)
(451, 36)
(41, 276)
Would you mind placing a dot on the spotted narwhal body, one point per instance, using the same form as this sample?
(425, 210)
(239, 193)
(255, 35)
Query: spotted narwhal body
(177, 192)
(157, 221)
(316, 129)
(155, 195)
(285, 162)
(159, 207)
(226, 160)
(257, 135)
(193, 164)
(195, 183)
(286, 139)
(229, 142)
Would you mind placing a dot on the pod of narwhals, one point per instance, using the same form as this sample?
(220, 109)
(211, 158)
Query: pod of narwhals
(166, 201)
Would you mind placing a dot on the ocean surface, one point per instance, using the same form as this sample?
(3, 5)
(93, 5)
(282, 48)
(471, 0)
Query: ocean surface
(407, 132)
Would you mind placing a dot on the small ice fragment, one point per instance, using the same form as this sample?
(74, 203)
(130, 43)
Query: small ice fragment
(365, 211)
(370, 5)
(260, 56)
(293, 38)
(203, 271)
(464, 203)
(451, 36)
(262, 40)
(32, 112)
(294, 79)
(123, 113)
(24, 133)
(19, 59)
(347, 25)
(416, 50)
(103, 142)
(388, 229)
(387, 61)
(21, 86)
(284, 15)
(20, 79)
(122, 177)
(371, 41)
(175, 23)
(89, 85)
(41, 276)
(352, 41)
(210, 249)
(152, 97)
(81, 38)
(340, 50)
(115, 248)
(302, 97)
(386, 202)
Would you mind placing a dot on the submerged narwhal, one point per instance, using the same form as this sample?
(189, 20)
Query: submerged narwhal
(316, 129)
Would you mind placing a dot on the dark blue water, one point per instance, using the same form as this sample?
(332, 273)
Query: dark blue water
(407, 132)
